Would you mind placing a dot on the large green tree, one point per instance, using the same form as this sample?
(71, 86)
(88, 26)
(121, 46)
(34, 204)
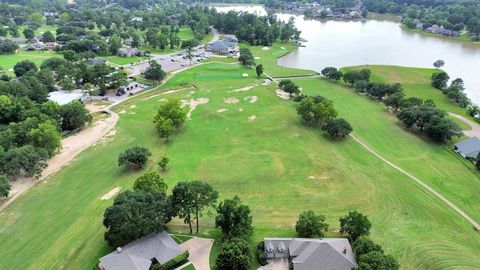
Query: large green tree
(135, 157)
(355, 224)
(150, 182)
(4, 187)
(311, 225)
(46, 136)
(74, 116)
(170, 116)
(154, 72)
(234, 254)
(376, 260)
(190, 198)
(234, 218)
(135, 214)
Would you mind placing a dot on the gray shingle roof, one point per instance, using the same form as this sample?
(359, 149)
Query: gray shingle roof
(139, 254)
(468, 148)
(313, 254)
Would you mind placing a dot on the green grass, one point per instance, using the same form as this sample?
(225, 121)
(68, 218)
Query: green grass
(267, 162)
(184, 34)
(189, 267)
(268, 58)
(8, 61)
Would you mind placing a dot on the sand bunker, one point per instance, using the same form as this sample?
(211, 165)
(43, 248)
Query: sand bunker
(221, 110)
(265, 48)
(131, 113)
(133, 106)
(257, 58)
(240, 110)
(162, 100)
(244, 89)
(122, 112)
(244, 75)
(252, 118)
(231, 100)
(266, 82)
(282, 94)
(110, 194)
(283, 48)
(193, 103)
(251, 99)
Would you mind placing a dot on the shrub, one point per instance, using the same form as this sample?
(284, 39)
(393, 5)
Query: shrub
(173, 263)
(134, 157)
(234, 254)
(261, 255)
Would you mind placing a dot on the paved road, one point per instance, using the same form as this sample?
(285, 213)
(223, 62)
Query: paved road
(199, 250)
(474, 132)
(420, 182)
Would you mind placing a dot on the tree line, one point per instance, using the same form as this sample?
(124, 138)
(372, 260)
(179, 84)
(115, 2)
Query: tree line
(413, 112)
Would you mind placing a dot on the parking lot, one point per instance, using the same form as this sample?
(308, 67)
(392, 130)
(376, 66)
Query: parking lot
(169, 62)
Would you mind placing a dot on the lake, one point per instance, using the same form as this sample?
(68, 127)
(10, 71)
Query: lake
(377, 41)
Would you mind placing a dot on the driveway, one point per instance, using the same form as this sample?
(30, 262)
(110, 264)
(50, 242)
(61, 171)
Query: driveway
(276, 264)
(474, 132)
(199, 250)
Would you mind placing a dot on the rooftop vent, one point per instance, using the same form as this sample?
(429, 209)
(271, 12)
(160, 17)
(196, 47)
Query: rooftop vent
(344, 250)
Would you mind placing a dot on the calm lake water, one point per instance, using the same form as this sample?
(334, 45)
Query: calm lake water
(377, 41)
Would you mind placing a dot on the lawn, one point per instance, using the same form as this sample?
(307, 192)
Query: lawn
(8, 61)
(185, 33)
(117, 60)
(267, 56)
(274, 163)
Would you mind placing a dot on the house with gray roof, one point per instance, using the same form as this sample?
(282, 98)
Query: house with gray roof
(468, 148)
(228, 45)
(312, 254)
(142, 253)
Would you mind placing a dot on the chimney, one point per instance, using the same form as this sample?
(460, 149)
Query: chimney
(119, 250)
(344, 250)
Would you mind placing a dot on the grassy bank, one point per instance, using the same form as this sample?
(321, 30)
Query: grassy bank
(8, 61)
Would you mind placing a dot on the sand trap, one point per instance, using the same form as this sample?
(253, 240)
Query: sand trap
(282, 94)
(283, 48)
(265, 48)
(131, 113)
(110, 194)
(221, 110)
(231, 100)
(133, 106)
(252, 118)
(257, 58)
(162, 100)
(311, 177)
(244, 89)
(240, 110)
(266, 82)
(244, 75)
(193, 103)
(251, 99)
(122, 112)
(111, 133)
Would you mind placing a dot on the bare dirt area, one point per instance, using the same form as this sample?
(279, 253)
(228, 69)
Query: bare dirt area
(251, 99)
(252, 118)
(244, 89)
(110, 194)
(221, 110)
(231, 100)
(71, 147)
(282, 94)
(193, 103)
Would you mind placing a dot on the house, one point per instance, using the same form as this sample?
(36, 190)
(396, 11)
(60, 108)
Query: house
(128, 42)
(49, 45)
(96, 61)
(228, 45)
(468, 148)
(129, 52)
(132, 88)
(34, 47)
(65, 97)
(142, 253)
(312, 254)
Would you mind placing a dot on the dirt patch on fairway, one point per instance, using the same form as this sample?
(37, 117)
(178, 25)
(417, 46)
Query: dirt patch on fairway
(193, 103)
(282, 94)
(231, 100)
(251, 99)
(122, 112)
(221, 110)
(266, 82)
(133, 106)
(240, 110)
(252, 118)
(265, 48)
(244, 89)
(110, 194)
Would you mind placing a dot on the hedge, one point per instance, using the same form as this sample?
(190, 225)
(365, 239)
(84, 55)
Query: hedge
(173, 263)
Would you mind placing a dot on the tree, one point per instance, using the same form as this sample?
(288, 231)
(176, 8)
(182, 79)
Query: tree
(190, 198)
(154, 72)
(74, 116)
(355, 224)
(234, 254)
(440, 79)
(135, 157)
(28, 33)
(337, 128)
(441, 129)
(5, 187)
(135, 214)
(438, 64)
(70, 55)
(310, 225)
(48, 37)
(170, 116)
(46, 136)
(163, 163)
(7, 46)
(53, 63)
(150, 182)
(246, 57)
(36, 17)
(115, 44)
(23, 67)
(234, 218)
(26, 160)
(394, 100)
(259, 70)
(90, 90)
(376, 260)
(291, 88)
(332, 73)
(364, 245)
